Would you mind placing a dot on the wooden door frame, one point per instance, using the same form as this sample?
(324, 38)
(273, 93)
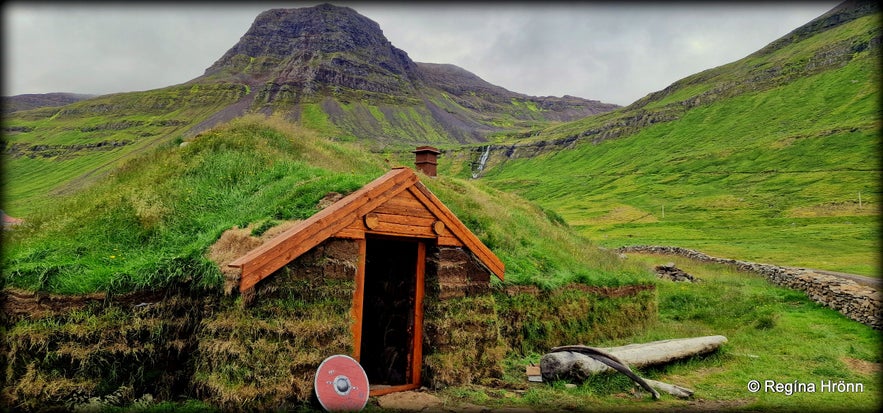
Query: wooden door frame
(417, 336)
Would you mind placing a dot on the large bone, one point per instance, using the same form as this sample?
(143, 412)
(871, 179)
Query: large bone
(580, 362)
(561, 364)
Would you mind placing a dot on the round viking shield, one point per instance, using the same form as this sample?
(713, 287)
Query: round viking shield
(341, 384)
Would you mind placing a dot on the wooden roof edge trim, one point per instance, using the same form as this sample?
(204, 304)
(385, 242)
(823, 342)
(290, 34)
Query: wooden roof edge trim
(462, 232)
(299, 243)
(325, 228)
(259, 263)
(331, 210)
(481, 251)
(340, 214)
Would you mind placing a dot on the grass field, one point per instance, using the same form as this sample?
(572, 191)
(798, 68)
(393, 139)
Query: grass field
(788, 175)
(773, 334)
(784, 171)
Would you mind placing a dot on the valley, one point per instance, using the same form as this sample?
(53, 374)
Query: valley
(114, 299)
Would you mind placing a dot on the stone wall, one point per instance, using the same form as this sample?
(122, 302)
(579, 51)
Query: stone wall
(858, 302)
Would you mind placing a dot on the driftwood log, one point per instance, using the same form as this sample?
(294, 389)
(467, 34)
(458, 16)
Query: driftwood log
(577, 363)
(604, 357)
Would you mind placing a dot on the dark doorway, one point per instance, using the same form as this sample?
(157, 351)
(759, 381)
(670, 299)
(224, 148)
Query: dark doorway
(388, 318)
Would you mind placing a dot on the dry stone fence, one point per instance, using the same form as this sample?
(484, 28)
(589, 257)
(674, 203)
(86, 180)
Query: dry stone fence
(856, 301)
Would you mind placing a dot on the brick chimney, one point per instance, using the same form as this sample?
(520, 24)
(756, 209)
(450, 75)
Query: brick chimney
(426, 159)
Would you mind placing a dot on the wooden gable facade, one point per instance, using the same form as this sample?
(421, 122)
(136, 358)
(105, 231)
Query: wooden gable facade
(396, 223)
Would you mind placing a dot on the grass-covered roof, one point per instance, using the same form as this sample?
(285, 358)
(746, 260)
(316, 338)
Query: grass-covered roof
(150, 221)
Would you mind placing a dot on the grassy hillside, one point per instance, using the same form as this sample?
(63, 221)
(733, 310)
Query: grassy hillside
(59, 150)
(53, 151)
(149, 222)
(783, 169)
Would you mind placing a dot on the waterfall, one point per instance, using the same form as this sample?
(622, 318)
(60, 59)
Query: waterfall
(481, 161)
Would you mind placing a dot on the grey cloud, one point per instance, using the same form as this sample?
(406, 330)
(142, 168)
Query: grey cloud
(606, 51)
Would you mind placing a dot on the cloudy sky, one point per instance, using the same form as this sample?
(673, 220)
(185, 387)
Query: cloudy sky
(615, 52)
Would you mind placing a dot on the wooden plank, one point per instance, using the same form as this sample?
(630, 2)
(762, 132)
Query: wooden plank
(251, 255)
(445, 232)
(405, 220)
(291, 249)
(350, 233)
(359, 301)
(471, 242)
(533, 374)
(417, 352)
(403, 199)
(381, 390)
(414, 208)
(269, 257)
(357, 225)
(449, 242)
(386, 228)
(333, 213)
(349, 202)
(324, 228)
(458, 229)
(297, 245)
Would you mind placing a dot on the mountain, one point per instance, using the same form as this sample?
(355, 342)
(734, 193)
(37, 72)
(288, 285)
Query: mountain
(40, 100)
(326, 67)
(332, 63)
(774, 157)
(297, 54)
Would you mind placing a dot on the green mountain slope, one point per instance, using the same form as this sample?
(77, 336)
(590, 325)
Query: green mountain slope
(49, 152)
(772, 158)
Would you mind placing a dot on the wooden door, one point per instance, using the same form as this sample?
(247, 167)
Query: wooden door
(389, 327)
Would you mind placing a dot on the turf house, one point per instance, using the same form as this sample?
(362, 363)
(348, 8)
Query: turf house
(386, 274)
(390, 252)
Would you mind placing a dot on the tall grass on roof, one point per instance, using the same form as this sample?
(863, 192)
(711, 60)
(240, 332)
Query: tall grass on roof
(149, 222)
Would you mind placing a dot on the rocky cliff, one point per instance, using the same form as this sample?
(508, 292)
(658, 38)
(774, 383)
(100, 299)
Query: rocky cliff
(308, 51)
(339, 60)
(474, 92)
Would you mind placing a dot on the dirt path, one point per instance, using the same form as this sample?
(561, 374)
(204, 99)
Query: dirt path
(873, 282)
(860, 279)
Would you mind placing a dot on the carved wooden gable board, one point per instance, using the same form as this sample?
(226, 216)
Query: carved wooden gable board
(396, 204)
